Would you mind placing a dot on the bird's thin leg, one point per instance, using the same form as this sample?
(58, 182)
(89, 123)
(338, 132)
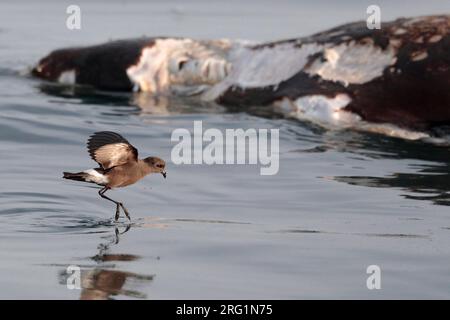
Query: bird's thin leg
(125, 210)
(118, 204)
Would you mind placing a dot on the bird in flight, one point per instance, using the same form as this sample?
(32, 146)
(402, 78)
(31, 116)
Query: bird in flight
(119, 165)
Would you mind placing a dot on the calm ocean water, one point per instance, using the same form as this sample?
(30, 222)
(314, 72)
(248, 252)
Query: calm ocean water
(341, 201)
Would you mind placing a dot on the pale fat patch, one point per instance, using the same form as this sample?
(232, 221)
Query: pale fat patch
(328, 113)
(264, 66)
(170, 64)
(391, 130)
(325, 110)
(67, 77)
(353, 63)
(267, 66)
(95, 176)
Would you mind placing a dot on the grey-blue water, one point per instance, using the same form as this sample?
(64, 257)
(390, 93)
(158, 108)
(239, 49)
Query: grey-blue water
(342, 200)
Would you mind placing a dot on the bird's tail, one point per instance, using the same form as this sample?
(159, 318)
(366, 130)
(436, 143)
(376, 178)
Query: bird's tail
(79, 176)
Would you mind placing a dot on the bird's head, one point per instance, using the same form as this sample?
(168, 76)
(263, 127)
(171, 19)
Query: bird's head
(157, 165)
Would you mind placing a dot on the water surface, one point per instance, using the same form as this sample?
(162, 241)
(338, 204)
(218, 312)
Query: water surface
(342, 200)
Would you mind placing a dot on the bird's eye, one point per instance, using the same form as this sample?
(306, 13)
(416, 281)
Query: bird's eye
(159, 166)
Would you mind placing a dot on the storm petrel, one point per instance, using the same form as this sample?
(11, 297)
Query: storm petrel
(119, 165)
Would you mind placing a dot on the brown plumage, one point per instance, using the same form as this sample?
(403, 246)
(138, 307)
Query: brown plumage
(110, 149)
(119, 165)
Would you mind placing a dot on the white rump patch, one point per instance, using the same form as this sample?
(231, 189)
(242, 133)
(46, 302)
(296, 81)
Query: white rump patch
(181, 66)
(95, 176)
(351, 63)
(67, 77)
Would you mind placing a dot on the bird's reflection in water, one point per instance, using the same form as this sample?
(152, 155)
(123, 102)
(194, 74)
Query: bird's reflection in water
(103, 282)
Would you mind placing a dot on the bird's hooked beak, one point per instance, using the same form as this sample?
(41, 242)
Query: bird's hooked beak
(164, 174)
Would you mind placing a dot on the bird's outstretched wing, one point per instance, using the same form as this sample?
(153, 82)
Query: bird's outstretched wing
(110, 149)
